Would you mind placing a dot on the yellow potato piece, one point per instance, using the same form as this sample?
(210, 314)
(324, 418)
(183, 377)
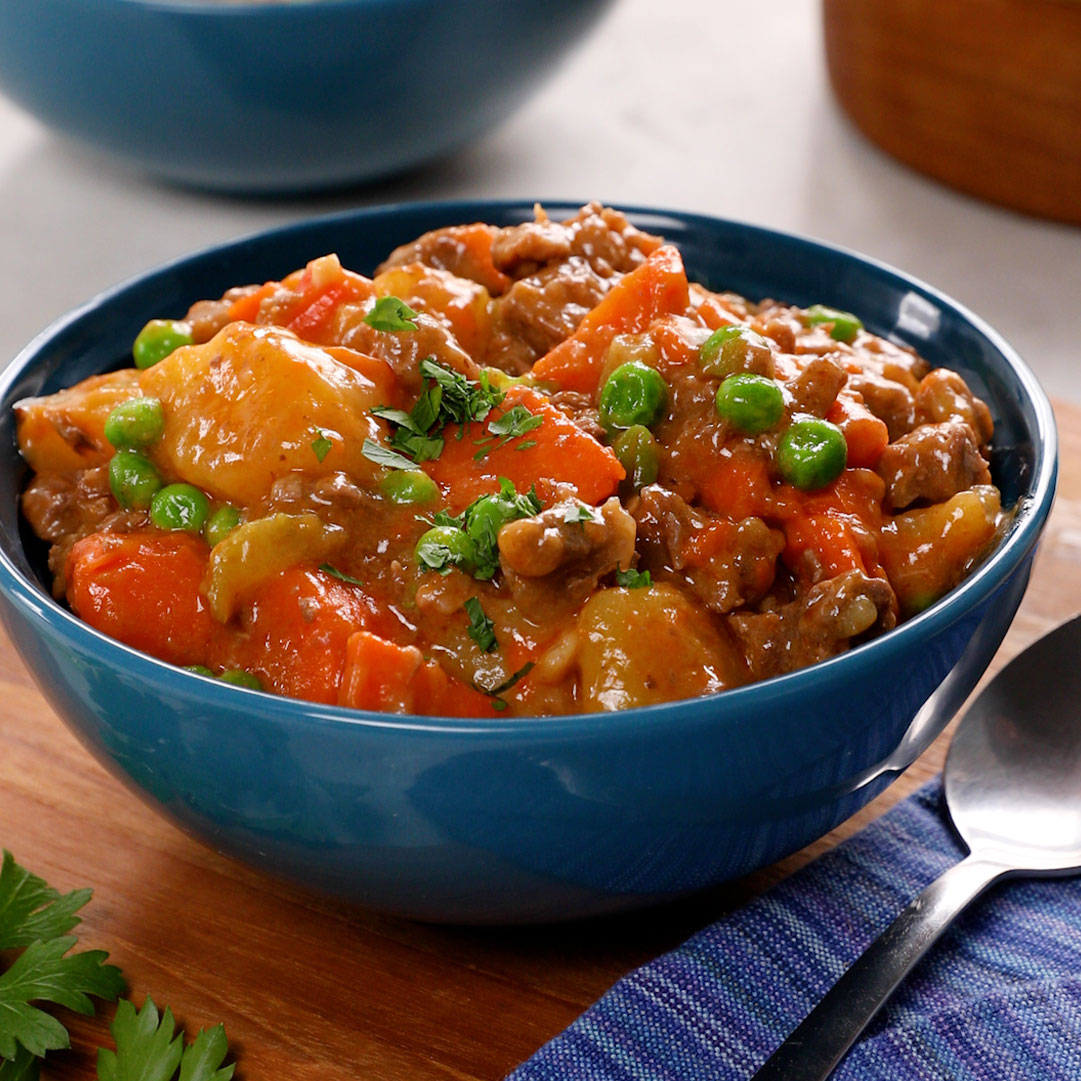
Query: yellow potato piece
(246, 407)
(65, 432)
(258, 550)
(638, 647)
(461, 305)
(927, 551)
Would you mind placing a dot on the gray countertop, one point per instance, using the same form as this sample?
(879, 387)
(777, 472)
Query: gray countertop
(694, 105)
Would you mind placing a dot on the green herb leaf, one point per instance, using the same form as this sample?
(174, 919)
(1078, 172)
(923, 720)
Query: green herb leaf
(481, 628)
(494, 692)
(203, 1058)
(23, 1067)
(396, 416)
(146, 1047)
(390, 313)
(384, 456)
(578, 512)
(486, 516)
(462, 399)
(516, 421)
(42, 973)
(329, 568)
(632, 579)
(321, 446)
(31, 910)
(418, 446)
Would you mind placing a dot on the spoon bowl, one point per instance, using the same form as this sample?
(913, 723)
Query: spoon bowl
(1013, 790)
(1013, 773)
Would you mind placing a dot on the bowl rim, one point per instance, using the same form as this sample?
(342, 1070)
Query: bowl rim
(1031, 511)
(283, 9)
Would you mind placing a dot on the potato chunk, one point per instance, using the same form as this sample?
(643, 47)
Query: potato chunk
(926, 552)
(246, 408)
(639, 647)
(65, 432)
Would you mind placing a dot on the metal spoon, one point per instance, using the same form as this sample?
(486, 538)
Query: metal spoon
(1013, 789)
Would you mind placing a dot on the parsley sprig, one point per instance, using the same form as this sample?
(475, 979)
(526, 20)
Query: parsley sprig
(632, 579)
(514, 423)
(36, 919)
(494, 692)
(481, 522)
(481, 628)
(448, 398)
(390, 314)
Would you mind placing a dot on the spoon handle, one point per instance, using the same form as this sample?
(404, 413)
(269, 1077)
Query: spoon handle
(829, 1030)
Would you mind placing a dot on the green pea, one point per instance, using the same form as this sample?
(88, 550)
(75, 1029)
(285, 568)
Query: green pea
(486, 517)
(633, 394)
(158, 339)
(133, 479)
(199, 670)
(735, 349)
(179, 507)
(845, 324)
(137, 423)
(239, 678)
(446, 546)
(750, 403)
(409, 486)
(639, 454)
(220, 524)
(811, 454)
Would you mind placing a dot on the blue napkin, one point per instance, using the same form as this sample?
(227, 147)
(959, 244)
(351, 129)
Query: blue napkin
(997, 999)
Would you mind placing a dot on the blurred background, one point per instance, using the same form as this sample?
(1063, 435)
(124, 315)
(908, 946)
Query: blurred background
(724, 109)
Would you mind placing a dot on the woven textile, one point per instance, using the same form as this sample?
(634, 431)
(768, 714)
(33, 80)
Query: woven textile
(997, 999)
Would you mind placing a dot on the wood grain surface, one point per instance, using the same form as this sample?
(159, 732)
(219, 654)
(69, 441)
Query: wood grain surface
(982, 94)
(311, 989)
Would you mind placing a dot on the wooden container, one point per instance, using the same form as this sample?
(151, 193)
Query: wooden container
(984, 95)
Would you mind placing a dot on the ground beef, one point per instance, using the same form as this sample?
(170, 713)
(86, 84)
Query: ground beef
(552, 565)
(579, 407)
(933, 462)
(601, 236)
(63, 508)
(892, 402)
(207, 317)
(462, 249)
(815, 626)
(944, 395)
(816, 387)
(540, 311)
(736, 567)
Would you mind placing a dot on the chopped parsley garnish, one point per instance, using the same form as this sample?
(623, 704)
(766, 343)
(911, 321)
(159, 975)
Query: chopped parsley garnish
(479, 525)
(516, 421)
(463, 400)
(485, 517)
(321, 445)
(481, 628)
(494, 692)
(448, 398)
(384, 456)
(578, 512)
(329, 568)
(390, 313)
(632, 579)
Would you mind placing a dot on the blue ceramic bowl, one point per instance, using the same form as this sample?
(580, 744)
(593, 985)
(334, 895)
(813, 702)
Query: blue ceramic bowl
(281, 96)
(530, 818)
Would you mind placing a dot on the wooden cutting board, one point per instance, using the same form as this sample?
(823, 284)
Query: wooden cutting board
(314, 990)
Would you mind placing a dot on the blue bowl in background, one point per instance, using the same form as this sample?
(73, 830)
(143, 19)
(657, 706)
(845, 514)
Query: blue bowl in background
(529, 819)
(256, 96)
